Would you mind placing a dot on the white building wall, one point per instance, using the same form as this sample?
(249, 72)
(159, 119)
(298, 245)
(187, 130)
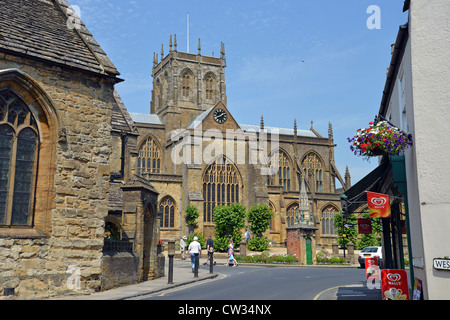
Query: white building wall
(428, 167)
(420, 104)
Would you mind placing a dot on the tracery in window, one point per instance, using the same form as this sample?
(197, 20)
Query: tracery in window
(312, 167)
(186, 83)
(209, 84)
(19, 141)
(220, 186)
(149, 159)
(292, 213)
(167, 207)
(283, 176)
(327, 220)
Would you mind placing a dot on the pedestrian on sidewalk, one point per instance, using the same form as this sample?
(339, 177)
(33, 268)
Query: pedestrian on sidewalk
(246, 235)
(231, 255)
(209, 250)
(195, 248)
(183, 247)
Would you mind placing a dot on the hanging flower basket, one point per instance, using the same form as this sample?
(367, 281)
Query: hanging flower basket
(380, 138)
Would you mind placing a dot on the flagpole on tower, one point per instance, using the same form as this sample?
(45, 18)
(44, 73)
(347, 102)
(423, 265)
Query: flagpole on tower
(188, 32)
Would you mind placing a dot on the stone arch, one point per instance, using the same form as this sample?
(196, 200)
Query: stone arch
(222, 185)
(187, 83)
(327, 213)
(283, 175)
(313, 169)
(51, 132)
(150, 156)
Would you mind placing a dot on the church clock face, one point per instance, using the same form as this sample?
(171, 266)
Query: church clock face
(220, 116)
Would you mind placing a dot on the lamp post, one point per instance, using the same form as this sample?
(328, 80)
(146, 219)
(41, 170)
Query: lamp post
(171, 254)
(344, 206)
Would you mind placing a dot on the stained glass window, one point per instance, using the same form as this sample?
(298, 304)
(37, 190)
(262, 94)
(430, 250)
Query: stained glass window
(149, 159)
(167, 207)
(220, 186)
(18, 160)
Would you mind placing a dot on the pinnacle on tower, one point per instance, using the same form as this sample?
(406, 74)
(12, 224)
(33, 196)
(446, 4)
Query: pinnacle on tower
(199, 47)
(170, 43)
(162, 51)
(295, 126)
(175, 42)
(262, 123)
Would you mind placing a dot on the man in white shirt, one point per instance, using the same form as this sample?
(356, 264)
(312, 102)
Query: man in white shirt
(195, 248)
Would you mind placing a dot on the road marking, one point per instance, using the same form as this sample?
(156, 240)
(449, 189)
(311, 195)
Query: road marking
(318, 295)
(222, 276)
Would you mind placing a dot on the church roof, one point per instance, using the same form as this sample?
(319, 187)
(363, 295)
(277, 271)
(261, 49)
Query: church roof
(145, 118)
(40, 29)
(285, 131)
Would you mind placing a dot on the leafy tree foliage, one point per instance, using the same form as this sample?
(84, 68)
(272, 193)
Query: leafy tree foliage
(229, 221)
(259, 217)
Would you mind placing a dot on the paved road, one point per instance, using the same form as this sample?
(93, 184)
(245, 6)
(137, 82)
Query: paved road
(262, 283)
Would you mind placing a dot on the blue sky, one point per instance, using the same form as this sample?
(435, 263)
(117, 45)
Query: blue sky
(309, 60)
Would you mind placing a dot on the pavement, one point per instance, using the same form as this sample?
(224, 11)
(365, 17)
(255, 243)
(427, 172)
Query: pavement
(182, 275)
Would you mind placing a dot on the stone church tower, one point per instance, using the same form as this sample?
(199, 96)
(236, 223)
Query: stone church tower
(185, 85)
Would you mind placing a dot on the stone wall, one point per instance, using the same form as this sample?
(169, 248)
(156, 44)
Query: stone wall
(73, 110)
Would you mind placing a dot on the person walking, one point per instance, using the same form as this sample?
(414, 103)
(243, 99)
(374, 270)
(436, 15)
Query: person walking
(194, 249)
(183, 247)
(246, 235)
(231, 258)
(210, 250)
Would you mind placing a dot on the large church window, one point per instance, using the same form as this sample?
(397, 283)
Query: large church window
(18, 161)
(292, 213)
(282, 177)
(328, 214)
(220, 186)
(167, 207)
(313, 169)
(209, 84)
(186, 84)
(149, 158)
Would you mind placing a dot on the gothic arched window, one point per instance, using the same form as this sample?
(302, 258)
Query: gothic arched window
(209, 84)
(19, 147)
(220, 186)
(186, 79)
(149, 158)
(167, 207)
(313, 169)
(283, 176)
(327, 220)
(292, 212)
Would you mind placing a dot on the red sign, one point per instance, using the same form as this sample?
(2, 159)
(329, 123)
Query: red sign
(379, 205)
(394, 284)
(364, 226)
(372, 268)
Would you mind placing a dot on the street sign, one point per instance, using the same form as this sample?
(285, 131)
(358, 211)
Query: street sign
(348, 225)
(364, 226)
(394, 284)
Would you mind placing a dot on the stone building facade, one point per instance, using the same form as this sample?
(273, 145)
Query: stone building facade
(59, 119)
(193, 152)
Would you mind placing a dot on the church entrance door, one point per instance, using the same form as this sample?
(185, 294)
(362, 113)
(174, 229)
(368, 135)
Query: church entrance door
(309, 260)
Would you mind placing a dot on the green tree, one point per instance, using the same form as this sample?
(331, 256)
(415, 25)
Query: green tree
(228, 223)
(351, 233)
(259, 217)
(191, 218)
